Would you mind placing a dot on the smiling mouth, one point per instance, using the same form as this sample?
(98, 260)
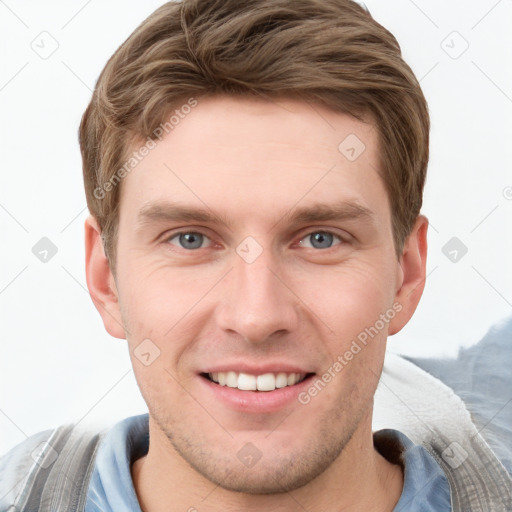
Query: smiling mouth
(263, 382)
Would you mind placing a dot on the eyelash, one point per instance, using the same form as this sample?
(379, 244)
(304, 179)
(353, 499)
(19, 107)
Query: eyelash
(341, 239)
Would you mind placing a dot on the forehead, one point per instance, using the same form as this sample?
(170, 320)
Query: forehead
(245, 156)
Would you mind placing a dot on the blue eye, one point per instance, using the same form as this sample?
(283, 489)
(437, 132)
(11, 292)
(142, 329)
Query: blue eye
(320, 240)
(191, 240)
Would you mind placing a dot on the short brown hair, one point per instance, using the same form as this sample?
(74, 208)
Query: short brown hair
(327, 51)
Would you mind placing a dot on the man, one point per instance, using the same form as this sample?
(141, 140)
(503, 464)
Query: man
(254, 173)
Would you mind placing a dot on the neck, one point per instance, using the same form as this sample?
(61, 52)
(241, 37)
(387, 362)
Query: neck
(360, 479)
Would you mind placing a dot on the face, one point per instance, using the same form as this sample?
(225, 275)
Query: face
(253, 251)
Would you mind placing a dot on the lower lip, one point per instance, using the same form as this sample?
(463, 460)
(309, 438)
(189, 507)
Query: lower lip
(256, 401)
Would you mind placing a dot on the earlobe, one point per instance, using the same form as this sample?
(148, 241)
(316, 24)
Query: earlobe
(412, 273)
(100, 280)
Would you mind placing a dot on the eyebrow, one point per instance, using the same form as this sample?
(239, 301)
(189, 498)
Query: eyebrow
(346, 211)
(172, 212)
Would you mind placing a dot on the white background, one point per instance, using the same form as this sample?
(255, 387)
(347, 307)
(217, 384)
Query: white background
(57, 362)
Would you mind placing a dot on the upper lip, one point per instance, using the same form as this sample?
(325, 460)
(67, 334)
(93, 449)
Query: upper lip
(256, 369)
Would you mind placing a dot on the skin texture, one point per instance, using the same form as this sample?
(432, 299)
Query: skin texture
(253, 164)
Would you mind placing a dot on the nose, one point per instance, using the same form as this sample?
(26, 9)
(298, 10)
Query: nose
(258, 302)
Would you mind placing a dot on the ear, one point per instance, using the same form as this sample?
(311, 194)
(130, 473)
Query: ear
(100, 280)
(411, 275)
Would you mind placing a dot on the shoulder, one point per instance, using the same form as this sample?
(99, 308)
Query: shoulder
(35, 467)
(17, 464)
(453, 407)
(480, 375)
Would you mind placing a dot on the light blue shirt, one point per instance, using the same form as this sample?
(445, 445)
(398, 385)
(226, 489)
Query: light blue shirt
(426, 488)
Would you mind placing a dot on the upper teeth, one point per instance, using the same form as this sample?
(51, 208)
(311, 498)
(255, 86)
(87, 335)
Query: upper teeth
(265, 382)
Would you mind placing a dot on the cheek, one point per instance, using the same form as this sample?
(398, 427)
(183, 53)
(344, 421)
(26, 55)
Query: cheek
(354, 306)
(165, 313)
(157, 298)
(349, 297)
